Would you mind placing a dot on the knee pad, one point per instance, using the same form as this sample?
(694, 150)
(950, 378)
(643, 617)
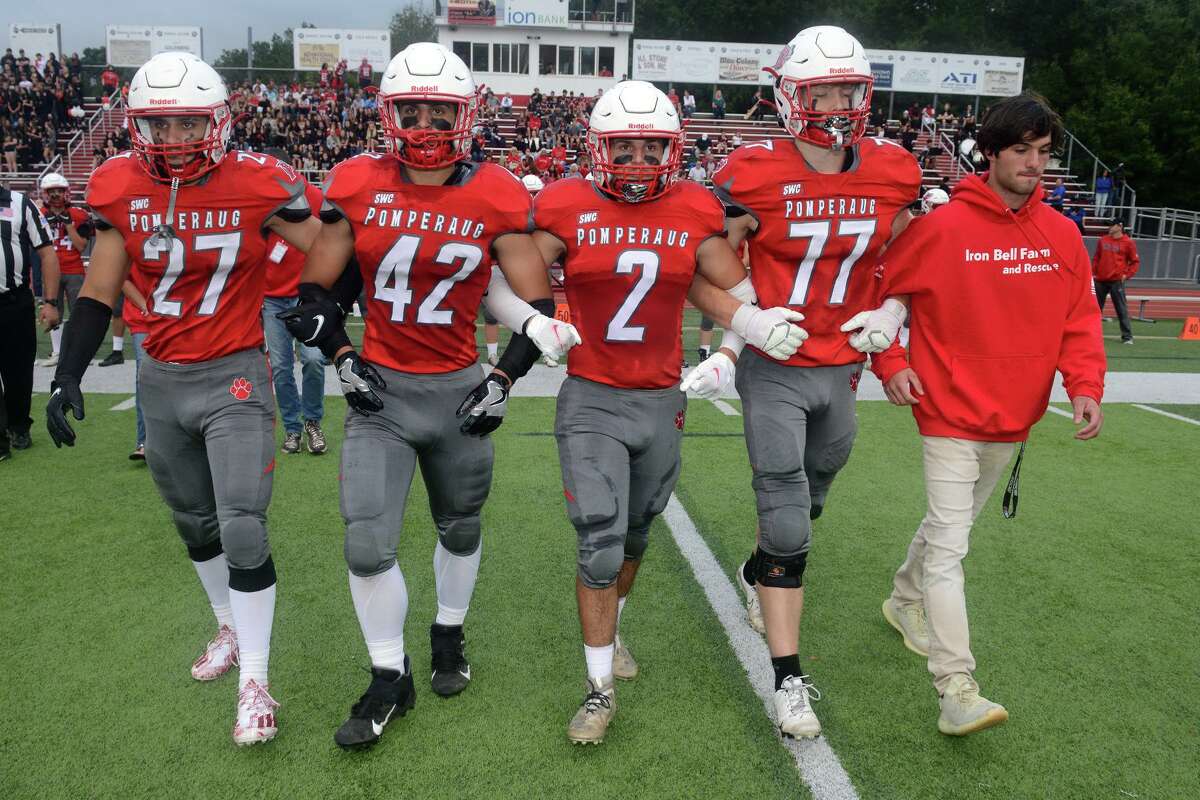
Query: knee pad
(197, 530)
(459, 536)
(600, 566)
(369, 550)
(244, 539)
(785, 572)
(635, 543)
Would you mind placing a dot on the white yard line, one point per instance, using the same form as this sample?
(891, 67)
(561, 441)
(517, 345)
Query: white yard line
(125, 405)
(726, 409)
(1179, 417)
(1060, 412)
(818, 765)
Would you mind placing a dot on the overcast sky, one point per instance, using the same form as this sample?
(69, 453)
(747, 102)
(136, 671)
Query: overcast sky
(224, 22)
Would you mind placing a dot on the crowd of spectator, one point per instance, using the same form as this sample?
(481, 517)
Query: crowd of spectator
(39, 97)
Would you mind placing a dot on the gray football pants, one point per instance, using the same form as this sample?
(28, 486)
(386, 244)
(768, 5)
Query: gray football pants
(800, 425)
(381, 453)
(210, 446)
(619, 453)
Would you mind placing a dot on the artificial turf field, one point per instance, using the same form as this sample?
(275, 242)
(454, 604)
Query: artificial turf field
(1083, 611)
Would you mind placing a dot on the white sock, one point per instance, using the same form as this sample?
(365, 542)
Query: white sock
(214, 577)
(454, 577)
(253, 614)
(599, 661)
(493, 349)
(381, 603)
(56, 340)
(706, 349)
(118, 343)
(620, 608)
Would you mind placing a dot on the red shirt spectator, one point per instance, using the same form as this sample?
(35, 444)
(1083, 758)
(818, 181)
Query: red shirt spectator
(110, 80)
(1116, 258)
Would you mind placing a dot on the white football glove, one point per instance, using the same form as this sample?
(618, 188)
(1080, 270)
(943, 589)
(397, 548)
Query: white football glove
(710, 377)
(553, 337)
(770, 329)
(879, 327)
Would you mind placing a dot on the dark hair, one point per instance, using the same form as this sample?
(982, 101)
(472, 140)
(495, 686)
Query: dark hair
(1019, 119)
(1118, 223)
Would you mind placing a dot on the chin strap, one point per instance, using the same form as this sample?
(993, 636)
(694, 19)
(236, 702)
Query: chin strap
(163, 232)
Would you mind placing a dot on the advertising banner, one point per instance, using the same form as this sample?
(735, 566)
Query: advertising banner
(312, 47)
(133, 45)
(33, 38)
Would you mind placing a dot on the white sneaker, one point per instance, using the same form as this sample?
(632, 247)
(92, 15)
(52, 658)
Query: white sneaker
(255, 715)
(753, 609)
(49, 361)
(219, 656)
(793, 711)
(964, 710)
(910, 620)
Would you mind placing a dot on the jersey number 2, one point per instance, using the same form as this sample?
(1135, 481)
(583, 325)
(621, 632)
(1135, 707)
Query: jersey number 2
(619, 329)
(817, 234)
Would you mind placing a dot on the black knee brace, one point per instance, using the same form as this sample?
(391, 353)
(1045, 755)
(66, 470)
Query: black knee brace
(785, 572)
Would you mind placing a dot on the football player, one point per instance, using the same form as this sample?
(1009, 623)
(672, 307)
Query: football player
(187, 220)
(71, 229)
(421, 227)
(932, 199)
(633, 242)
(816, 208)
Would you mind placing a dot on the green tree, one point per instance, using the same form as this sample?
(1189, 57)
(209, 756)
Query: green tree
(413, 24)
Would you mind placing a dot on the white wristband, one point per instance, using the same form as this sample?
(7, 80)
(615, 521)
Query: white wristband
(511, 311)
(743, 291)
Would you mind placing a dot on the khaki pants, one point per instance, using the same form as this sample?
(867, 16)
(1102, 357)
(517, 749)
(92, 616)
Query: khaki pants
(959, 477)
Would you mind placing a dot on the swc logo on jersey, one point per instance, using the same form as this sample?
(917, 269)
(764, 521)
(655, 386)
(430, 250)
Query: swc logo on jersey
(792, 189)
(241, 388)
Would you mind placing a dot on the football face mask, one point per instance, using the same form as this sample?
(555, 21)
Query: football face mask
(635, 166)
(830, 112)
(426, 131)
(186, 143)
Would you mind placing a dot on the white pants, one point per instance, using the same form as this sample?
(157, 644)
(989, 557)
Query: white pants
(959, 477)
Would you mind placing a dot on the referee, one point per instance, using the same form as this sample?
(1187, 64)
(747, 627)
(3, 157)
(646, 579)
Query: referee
(22, 231)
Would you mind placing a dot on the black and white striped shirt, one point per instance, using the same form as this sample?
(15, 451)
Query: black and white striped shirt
(23, 229)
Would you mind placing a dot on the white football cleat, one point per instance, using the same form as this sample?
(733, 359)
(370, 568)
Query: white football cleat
(793, 710)
(753, 609)
(219, 656)
(255, 715)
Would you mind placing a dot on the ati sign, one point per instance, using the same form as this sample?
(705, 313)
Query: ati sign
(961, 80)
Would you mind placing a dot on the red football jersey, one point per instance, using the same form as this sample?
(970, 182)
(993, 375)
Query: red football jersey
(285, 261)
(203, 286)
(70, 260)
(426, 255)
(819, 236)
(627, 271)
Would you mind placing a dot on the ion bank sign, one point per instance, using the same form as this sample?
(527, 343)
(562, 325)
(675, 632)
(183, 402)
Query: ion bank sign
(535, 13)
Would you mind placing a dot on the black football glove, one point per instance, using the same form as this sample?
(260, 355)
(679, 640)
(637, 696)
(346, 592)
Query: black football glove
(359, 382)
(484, 407)
(64, 394)
(313, 320)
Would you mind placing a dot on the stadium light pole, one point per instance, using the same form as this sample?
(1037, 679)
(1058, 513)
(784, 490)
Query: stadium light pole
(250, 53)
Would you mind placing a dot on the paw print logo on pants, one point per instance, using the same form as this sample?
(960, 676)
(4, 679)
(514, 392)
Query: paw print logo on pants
(854, 376)
(241, 388)
(679, 418)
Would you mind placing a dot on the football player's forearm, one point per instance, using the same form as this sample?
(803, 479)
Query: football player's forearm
(329, 254)
(108, 268)
(521, 262)
(716, 304)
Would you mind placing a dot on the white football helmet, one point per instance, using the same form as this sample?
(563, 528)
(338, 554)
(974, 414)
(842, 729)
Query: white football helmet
(533, 184)
(52, 180)
(932, 199)
(178, 85)
(823, 54)
(425, 72)
(634, 110)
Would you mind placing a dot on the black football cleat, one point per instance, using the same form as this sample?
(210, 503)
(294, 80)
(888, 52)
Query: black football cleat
(114, 358)
(451, 672)
(391, 694)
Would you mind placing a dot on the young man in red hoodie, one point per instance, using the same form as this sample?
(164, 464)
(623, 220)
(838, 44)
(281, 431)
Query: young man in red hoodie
(1116, 261)
(1000, 291)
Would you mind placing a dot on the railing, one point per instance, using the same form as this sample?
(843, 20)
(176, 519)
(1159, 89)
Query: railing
(962, 163)
(1126, 196)
(1164, 223)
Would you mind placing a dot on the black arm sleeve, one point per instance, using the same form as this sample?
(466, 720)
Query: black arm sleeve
(82, 338)
(349, 285)
(522, 353)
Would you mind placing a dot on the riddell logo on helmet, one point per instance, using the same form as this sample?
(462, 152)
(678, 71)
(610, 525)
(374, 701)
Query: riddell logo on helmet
(422, 88)
(640, 125)
(163, 101)
(840, 70)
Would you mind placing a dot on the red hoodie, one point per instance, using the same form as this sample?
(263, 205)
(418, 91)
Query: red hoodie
(1000, 299)
(1115, 259)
